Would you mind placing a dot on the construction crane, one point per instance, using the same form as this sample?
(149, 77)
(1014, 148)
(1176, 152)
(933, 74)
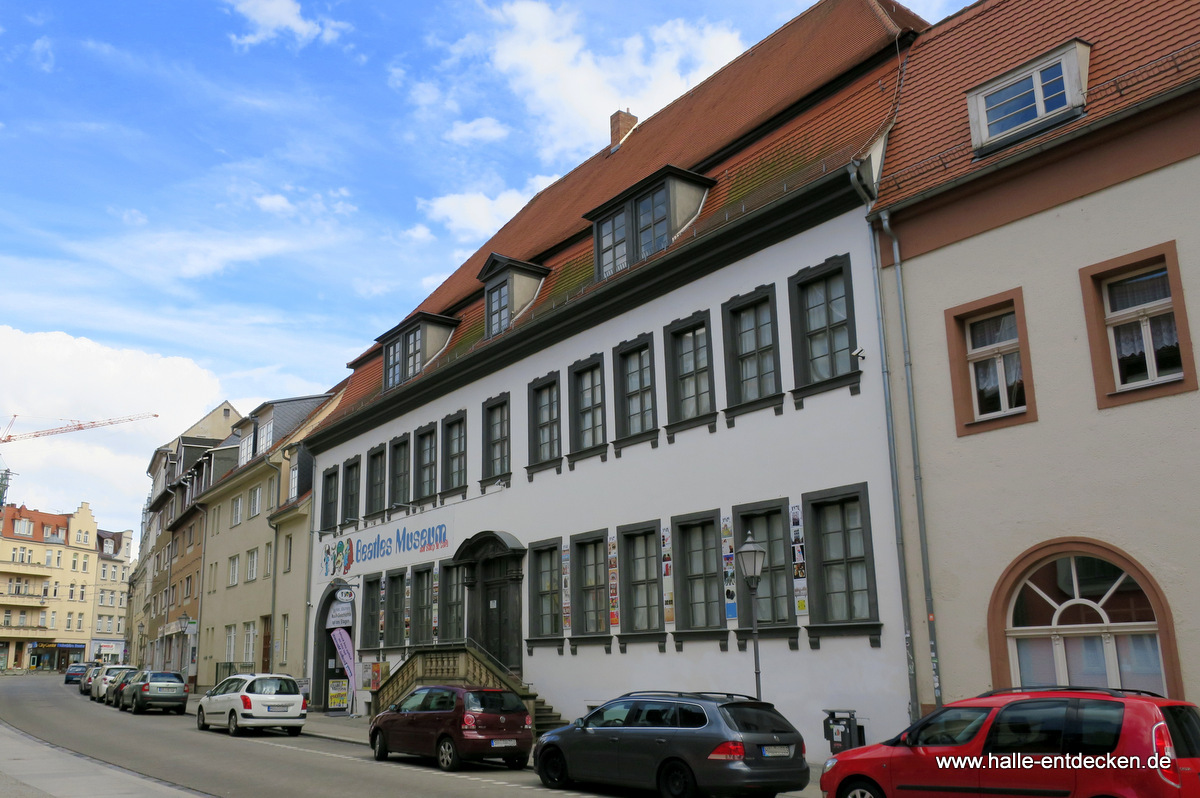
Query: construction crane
(6, 474)
(74, 426)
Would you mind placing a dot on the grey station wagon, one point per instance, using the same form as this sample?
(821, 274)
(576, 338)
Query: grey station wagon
(682, 744)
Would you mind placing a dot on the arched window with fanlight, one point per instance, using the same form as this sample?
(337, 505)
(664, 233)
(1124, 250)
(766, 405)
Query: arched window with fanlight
(1084, 621)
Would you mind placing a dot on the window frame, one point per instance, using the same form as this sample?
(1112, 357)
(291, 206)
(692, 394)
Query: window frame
(741, 514)
(393, 627)
(1073, 56)
(369, 619)
(499, 318)
(1092, 282)
(376, 480)
(684, 621)
(806, 385)
(578, 629)
(329, 498)
(819, 622)
(428, 431)
(576, 372)
(491, 476)
(451, 597)
(454, 463)
(421, 627)
(643, 343)
(351, 490)
(649, 530)
(730, 310)
(958, 320)
(399, 468)
(676, 421)
(553, 548)
(536, 462)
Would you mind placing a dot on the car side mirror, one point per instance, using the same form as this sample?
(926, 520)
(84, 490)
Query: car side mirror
(391, 708)
(208, 693)
(577, 723)
(904, 740)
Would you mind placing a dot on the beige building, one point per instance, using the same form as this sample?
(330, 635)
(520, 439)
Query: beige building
(111, 596)
(49, 565)
(250, 620)
(1049, 261)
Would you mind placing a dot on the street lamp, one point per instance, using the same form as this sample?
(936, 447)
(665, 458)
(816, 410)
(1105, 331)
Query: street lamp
(141, 644)
(750, 558)
(184, 619)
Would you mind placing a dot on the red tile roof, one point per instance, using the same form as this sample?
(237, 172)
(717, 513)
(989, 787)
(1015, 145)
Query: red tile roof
(816, 47)
(1140, 48)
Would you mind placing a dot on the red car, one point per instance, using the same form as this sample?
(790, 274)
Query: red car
(1073, 742)
(454, 723)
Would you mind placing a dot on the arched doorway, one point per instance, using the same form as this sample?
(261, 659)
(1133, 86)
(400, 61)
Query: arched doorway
(492, 562)
(332, 613)
(1079, 612)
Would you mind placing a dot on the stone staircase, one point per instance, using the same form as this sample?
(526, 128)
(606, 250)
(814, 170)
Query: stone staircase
(462, 662)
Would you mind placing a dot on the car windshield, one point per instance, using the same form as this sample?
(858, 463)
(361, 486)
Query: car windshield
(1183, 722)
(164, 676)
(493, 701)
(274, 686)
(756, 718)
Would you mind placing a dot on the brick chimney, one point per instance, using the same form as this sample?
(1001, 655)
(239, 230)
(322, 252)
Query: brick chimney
(620, 124)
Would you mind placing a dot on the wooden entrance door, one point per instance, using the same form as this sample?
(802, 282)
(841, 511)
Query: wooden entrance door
(501, 612)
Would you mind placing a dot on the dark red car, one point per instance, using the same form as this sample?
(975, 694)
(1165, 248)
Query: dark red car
(453, 723)
(1080, 742)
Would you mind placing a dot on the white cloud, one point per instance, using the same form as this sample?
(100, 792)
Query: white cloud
(395, 76)
(571, 91)
(473, 215)
(42, 53)
(483, 129)
(130, 216)
(105, 466)
(275, 203)
(418, 234)
(270, 18)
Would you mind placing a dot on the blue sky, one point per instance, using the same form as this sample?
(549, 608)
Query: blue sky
(230, 199)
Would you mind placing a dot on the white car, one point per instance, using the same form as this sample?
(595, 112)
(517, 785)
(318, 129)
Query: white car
(254, 701)
(104, 677)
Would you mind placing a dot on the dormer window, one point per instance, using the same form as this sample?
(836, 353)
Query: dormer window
(1029, 99)
(409, 347)
(645, 219)
(509, 287)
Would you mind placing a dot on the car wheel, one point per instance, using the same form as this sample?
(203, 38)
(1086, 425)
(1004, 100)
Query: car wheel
(120, 705)
(552, 769)
(447, 755)
(136, 706)
(200, 724)
(379, 746)
(860, 789)
(232, 727)
(675, 780)
(293, 731)
(516, 762)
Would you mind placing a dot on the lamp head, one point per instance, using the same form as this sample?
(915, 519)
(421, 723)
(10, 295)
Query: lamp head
(751, 557)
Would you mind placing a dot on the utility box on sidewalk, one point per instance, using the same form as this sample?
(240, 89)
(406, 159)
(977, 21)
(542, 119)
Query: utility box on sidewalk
(842, 730)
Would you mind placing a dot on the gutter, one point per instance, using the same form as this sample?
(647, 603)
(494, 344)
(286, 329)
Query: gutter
(914, 697)
(918, 480)
(1038, 149)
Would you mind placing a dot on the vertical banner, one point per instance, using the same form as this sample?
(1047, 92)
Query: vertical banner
(382, 609)
(434, 609)
(799, 566)
(407, 606)
(345, 648)
(614, 610)
(728, 566)
(668, 582)
(565, 586)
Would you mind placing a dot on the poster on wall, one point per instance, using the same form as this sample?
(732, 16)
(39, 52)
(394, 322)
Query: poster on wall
(339, 693)
(375, 674)
(668, 568)
(614, 610)
(799, 566)
(565, 587)
(728, 567)
(407, 605)
(434, 612)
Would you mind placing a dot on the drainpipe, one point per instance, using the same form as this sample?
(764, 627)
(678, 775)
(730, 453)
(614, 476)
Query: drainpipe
(918, 480)
(269, 664)
(914, 698)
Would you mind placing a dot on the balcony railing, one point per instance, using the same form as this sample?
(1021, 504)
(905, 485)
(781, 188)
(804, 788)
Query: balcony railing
(16, 630)
(23, 599)
(227, 669)
(27, 568)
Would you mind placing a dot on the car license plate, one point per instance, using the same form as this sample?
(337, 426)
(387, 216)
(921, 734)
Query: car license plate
(504, 743)
(777, 750)
(276, 708)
